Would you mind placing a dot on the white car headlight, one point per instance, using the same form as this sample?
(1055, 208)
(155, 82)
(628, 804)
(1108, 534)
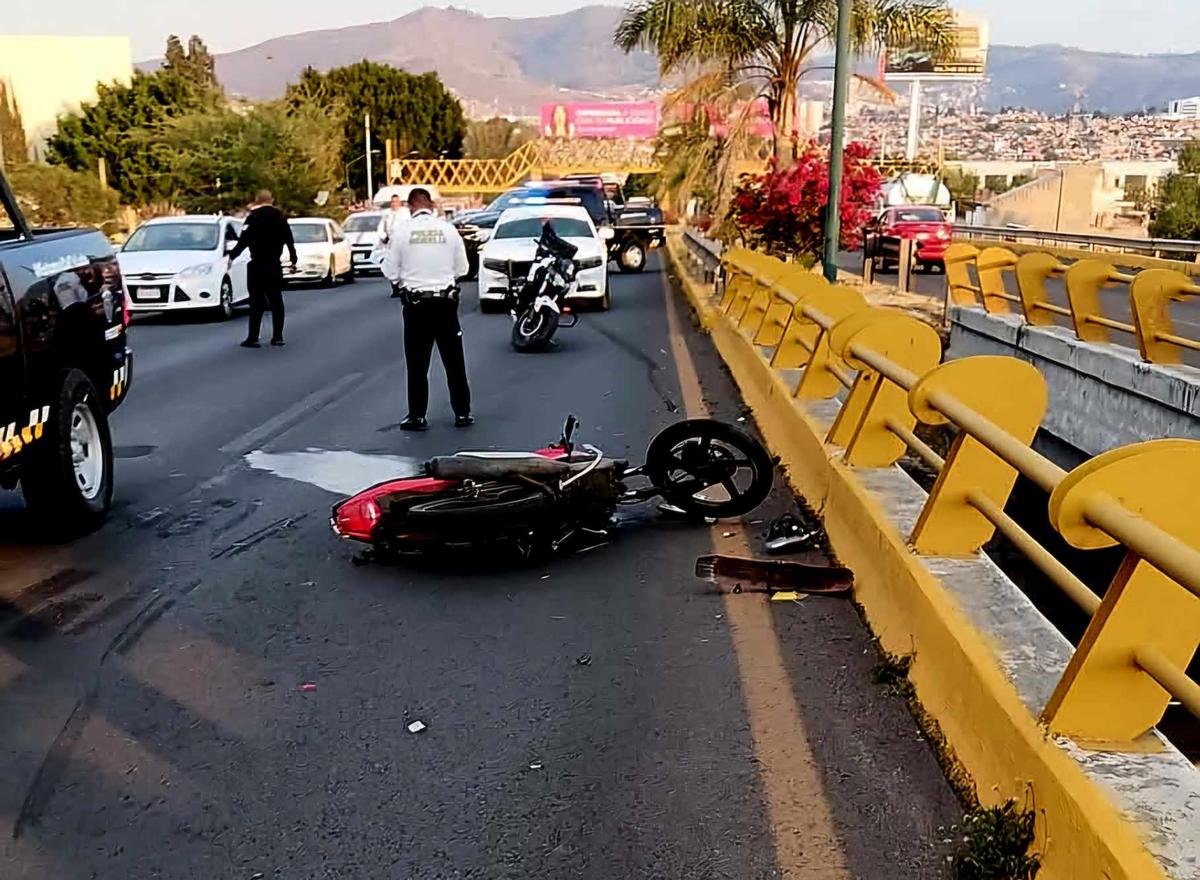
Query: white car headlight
(199, 271)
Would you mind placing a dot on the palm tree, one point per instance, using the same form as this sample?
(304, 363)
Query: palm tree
(770, 43)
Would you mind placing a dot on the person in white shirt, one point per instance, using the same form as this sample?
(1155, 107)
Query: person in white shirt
(396, 214)
(424, 259)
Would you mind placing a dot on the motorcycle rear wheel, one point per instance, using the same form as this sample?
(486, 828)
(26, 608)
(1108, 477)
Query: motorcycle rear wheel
(534, 329)
(690, 460)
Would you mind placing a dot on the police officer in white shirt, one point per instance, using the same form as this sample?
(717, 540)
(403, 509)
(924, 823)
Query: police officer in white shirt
(424, 260)
(396, 214)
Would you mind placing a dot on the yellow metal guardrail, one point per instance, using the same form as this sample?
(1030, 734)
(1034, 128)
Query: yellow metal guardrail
(530, 160)
(1145, 629)
(979, 277)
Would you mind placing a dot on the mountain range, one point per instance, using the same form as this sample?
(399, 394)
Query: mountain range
(513, 65)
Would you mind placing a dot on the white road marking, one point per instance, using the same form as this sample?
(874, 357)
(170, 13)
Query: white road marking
(339, 471)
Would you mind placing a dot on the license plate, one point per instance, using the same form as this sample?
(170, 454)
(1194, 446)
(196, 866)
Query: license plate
(923, 236)
(150, 294)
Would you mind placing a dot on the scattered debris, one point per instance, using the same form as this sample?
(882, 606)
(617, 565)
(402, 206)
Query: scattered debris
(363, 557)
(536, 765)
(308, 687)
(545, 577)
(584, 660)
(740, 575)
(416, 727)
(741, 418)
(787, 534)
(728, 534)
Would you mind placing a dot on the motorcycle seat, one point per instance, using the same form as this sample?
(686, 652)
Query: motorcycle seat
(497, 466)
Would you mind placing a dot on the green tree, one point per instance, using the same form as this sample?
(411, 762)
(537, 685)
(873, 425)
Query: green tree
(495, 138)
(194, 64)
(14, 146)
(1176, 211)
(963, 185)
(415, 110)
(222, 158)
(771, 43)
(55, 196)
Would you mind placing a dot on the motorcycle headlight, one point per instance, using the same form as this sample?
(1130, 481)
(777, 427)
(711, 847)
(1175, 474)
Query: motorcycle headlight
(591, 263)
(199, 271)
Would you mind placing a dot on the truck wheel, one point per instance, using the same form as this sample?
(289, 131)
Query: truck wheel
(68, 480)
(632, 257)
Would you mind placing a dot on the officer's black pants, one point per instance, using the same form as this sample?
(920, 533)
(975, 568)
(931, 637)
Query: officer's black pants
(266, 292)
(426, 324)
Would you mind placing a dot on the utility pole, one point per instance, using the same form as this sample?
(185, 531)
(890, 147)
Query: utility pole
(837, 139)
(370, 172)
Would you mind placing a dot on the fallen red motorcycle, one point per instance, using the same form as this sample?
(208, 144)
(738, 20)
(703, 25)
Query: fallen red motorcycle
(558, 498)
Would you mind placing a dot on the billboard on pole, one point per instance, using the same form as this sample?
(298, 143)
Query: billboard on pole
(967, 62)
(621, 119)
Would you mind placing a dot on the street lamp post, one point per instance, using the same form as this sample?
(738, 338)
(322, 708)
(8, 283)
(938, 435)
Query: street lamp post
(355, 161)
(837, 139)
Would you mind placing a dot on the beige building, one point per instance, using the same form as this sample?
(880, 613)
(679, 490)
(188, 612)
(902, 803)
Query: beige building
(50, 76)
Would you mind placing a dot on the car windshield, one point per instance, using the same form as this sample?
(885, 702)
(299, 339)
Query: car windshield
(309, 233)
(361, 223)
(589, 197)
(173, 237)
(531, 227)
(920, 215)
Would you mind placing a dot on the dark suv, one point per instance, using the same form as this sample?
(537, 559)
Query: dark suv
(64, 367)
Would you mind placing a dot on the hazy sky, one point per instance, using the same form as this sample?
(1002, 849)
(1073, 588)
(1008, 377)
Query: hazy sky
(1113, 25)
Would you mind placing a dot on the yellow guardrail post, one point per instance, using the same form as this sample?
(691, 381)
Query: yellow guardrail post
(1008, 394)
(1147, 628)
(1032, 271)
(962, 289)
(990, 265)
(826, 374)
(799, 338)
(1084, 282)
(737, 276)
(1150, 298)
(891, 350)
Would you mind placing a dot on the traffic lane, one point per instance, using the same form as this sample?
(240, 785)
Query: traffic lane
(533, 764)
(200, 746)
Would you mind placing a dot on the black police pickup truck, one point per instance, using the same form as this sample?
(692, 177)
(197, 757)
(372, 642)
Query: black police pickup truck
(64, 367)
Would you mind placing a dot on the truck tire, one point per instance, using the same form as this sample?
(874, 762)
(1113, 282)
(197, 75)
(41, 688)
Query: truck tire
(68, 480)
(632, 256)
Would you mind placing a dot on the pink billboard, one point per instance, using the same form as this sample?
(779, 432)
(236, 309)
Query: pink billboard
(629, 119)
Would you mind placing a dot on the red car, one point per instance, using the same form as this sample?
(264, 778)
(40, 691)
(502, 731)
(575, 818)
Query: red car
(926, 225)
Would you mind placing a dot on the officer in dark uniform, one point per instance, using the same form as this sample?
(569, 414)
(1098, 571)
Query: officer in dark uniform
(265, 234)
(425, 258)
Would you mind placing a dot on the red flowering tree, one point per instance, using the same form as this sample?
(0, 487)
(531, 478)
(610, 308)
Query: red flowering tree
(783, 210)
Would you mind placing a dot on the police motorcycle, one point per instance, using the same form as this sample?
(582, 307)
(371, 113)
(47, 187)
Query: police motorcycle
(537, 300)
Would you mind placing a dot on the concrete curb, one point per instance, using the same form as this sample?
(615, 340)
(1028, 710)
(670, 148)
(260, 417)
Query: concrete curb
(977, 668)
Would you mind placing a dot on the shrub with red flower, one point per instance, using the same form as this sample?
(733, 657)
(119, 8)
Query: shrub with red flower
(783, 210)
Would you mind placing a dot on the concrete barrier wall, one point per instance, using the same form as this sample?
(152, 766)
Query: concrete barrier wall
(985, 660)
(1101, 396)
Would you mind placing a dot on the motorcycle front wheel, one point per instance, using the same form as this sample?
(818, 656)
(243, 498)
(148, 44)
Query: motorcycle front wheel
(709, 468)
(533, 329)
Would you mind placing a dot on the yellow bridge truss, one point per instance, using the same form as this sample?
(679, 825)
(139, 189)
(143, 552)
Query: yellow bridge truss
(532, 160)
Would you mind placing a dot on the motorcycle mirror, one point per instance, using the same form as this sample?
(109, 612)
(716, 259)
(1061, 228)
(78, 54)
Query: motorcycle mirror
(569, 432)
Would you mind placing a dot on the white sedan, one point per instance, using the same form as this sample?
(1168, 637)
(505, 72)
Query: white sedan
(362, 231)
(322, 252)
(511, 249)
(177, 263)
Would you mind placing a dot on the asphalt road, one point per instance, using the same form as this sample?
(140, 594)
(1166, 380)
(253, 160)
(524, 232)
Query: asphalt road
(1114, 302)
(208, 687)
